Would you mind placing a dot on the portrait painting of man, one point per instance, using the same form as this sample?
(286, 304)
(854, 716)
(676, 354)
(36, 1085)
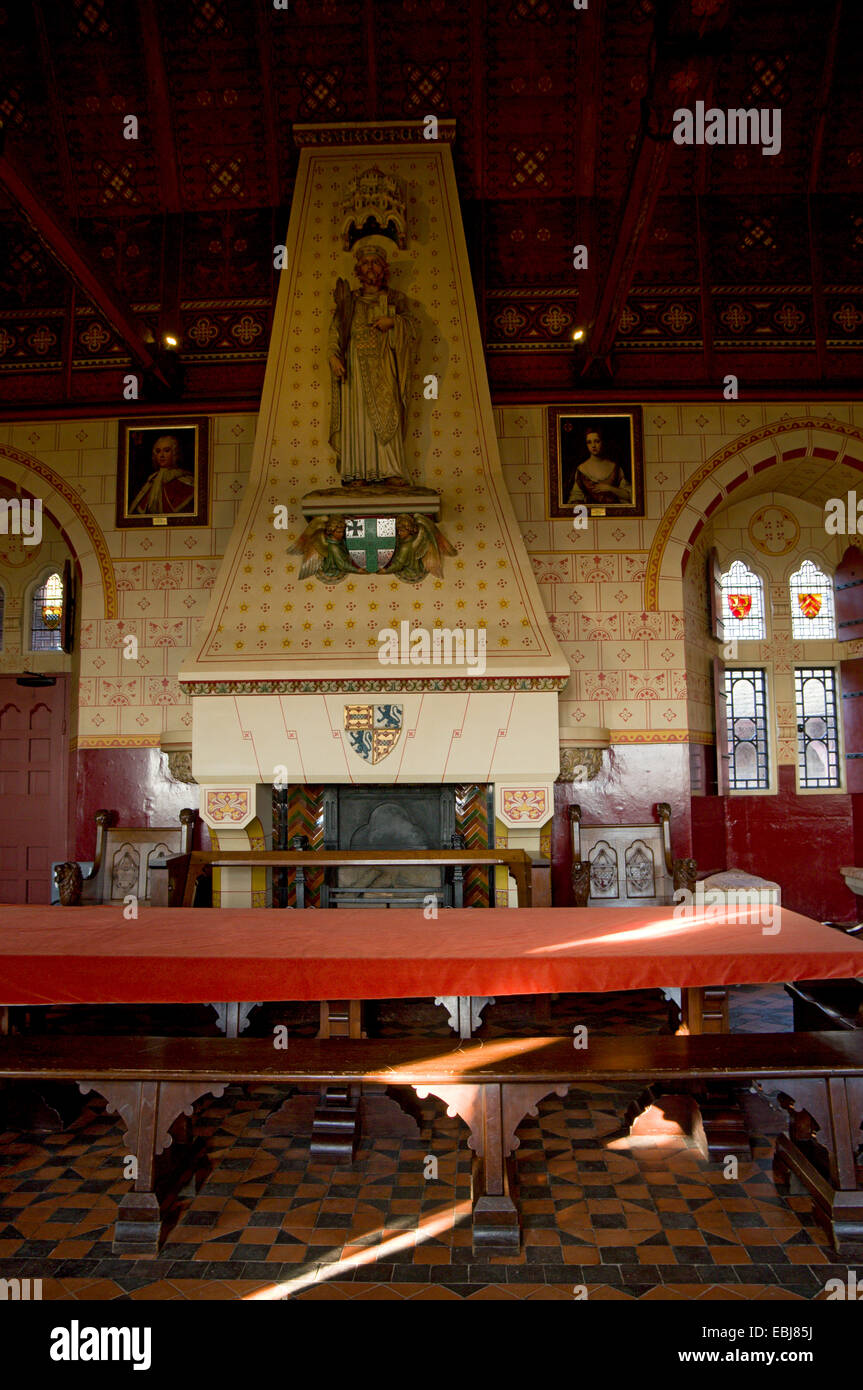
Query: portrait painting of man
(163, 472)
(595, 461)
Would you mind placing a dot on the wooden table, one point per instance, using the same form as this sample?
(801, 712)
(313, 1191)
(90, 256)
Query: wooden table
(94, 955)
(184, 870)
(183, 955)
(186, 956)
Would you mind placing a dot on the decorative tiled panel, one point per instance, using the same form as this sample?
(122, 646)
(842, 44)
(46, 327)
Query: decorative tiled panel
(471, 820)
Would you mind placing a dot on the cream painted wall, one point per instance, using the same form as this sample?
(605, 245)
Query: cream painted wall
(629, 667)
(22, 567)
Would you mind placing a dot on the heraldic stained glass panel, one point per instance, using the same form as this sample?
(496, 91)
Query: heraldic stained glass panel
(813, 614)
(817, 727)
(743, 604)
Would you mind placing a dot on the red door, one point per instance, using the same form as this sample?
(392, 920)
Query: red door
(33, 761)
(848, 584)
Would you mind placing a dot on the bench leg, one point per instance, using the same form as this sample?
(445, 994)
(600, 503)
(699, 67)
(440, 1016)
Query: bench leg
(233, 1019)
(464, 1012)
(148, 1110)
(493, 1111)
(821, 1150)
(337, 1116)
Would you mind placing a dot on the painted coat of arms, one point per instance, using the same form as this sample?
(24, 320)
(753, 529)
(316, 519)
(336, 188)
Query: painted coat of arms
(373, 730)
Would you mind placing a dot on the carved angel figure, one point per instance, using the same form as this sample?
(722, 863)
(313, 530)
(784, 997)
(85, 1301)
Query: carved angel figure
(322, 546)
(419, 548)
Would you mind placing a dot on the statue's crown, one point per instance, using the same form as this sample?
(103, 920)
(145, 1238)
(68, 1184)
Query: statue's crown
(374, 202)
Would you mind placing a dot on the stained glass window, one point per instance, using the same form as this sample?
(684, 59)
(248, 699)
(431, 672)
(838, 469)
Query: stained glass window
(46, 621)
(817, 727)
(812, 611)
(743, 604)
(746, 696)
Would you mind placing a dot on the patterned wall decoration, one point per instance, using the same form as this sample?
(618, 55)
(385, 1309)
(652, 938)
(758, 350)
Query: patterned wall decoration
(306, 817)
(773, 530)
(226, 807)
(471, 820)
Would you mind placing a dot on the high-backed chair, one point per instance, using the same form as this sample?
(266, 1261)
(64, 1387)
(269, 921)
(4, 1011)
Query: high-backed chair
(132, 861)
(626, 865)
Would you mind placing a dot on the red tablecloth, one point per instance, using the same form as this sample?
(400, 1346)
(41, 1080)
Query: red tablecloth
(89, 955)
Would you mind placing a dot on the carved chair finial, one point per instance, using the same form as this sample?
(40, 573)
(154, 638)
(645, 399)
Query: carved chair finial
(580, 883)
(70, 882)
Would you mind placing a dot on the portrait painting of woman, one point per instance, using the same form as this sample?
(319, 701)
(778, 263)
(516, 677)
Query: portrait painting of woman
(595, 461)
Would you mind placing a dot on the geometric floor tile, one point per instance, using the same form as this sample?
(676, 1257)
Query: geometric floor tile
(627, 1220)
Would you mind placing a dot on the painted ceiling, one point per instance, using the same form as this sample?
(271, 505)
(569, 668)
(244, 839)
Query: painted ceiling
(702, 260)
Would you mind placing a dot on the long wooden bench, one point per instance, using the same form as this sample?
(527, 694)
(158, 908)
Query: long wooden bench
(153, 1083)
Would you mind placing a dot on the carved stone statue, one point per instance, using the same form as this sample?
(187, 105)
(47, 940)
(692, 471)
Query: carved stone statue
(69, 881)
(370, 345)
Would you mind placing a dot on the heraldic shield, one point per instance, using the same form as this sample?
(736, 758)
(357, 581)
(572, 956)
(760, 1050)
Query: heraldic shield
(373, 730)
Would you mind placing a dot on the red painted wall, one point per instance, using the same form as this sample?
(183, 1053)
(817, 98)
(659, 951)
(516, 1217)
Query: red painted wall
(135, 783)
(709, 833)
(801, 842)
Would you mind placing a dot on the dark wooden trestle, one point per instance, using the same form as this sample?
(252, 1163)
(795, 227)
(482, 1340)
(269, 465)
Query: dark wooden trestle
(153, 1083)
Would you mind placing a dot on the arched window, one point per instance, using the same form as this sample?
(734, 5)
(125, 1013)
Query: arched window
(743, 604)
(812, 612)
(46, 619)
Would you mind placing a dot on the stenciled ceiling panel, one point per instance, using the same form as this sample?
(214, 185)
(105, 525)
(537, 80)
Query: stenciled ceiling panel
(563, 137)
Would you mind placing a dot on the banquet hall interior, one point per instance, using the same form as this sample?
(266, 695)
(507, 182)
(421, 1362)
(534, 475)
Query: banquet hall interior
(430, 446)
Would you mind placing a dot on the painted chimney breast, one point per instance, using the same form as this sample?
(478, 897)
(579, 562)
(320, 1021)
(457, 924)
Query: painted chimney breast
(427, 659)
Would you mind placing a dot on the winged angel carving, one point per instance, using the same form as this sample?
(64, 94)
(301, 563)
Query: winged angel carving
(418, 551)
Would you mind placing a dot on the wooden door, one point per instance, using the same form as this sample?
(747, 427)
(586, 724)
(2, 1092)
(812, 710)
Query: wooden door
(852, 719)
(720, 715)
(33, 772)
(848, 588)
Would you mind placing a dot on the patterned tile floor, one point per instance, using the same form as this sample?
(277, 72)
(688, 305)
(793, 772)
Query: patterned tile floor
(626, 1219)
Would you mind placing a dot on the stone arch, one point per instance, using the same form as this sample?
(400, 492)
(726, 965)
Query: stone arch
(786, 442)
(85, 537)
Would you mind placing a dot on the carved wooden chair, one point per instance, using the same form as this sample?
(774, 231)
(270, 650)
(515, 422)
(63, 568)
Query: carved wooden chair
(626, 865)
(130, 860)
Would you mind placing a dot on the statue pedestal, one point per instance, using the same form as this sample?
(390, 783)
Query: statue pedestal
(371, 499)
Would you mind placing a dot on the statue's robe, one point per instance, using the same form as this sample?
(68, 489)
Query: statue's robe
(369, 407)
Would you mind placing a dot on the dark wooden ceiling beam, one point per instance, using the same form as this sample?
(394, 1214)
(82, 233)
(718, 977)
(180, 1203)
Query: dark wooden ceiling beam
(705, 280)
(73, 259)
(674, 55)
(648, 176)
(822, 101)
(588, 93)
(269, 105)
(160, 108)
(371, 54)
(58, 119)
